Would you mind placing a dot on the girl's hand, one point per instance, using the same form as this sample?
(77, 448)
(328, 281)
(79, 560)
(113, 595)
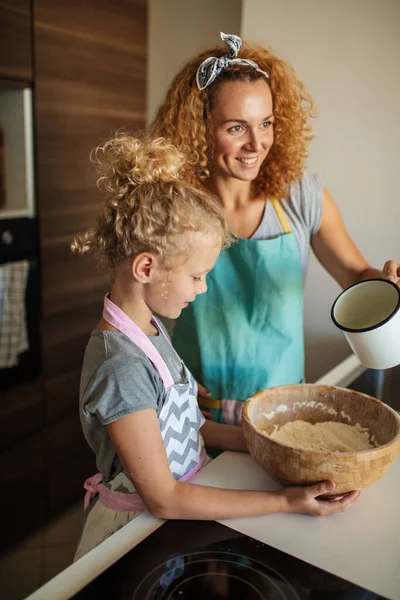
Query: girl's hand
(391, 271)
(305, 500)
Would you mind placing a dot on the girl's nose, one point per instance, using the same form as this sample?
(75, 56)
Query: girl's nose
(202, 288)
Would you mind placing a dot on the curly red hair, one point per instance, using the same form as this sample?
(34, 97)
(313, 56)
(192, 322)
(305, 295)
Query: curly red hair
(183, 118)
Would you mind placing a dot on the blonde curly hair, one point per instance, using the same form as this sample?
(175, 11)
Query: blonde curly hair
(147, 208)
(184, 116)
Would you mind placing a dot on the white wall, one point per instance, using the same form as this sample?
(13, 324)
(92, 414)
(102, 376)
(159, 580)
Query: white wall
(348, 53)
(178, 30)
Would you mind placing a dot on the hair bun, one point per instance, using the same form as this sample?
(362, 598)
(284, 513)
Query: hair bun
(127, 161)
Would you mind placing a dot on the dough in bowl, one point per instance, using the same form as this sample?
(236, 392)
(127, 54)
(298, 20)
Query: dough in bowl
(328, 436)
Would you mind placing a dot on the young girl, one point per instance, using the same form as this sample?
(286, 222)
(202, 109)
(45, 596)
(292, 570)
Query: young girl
(138, 402)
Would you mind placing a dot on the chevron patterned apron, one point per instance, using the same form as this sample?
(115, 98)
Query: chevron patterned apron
(180, 421)
(246, 333)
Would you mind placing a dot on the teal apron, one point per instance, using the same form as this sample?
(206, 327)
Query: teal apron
(245, 333)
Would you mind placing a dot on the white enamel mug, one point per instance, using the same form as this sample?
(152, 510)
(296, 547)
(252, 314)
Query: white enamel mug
(368, 313)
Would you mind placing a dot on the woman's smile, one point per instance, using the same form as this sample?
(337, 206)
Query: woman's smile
(251, 162)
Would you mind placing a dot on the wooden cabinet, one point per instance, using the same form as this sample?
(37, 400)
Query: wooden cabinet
(90, 80)
(16, 40)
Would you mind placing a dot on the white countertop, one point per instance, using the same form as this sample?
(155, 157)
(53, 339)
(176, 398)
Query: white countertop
(361, 545)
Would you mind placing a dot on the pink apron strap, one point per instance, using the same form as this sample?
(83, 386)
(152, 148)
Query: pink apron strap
(91, 486)
(111, 499)
(120, 500)
(118, 319)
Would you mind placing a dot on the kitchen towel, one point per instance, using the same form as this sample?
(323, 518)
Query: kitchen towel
(13, 332)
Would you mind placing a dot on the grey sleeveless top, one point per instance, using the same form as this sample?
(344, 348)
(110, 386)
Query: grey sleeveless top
(303, 210)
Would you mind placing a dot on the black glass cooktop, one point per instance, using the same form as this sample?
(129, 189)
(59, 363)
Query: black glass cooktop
(191, 560)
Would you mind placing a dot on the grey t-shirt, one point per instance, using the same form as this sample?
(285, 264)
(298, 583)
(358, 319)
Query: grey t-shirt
(118, 379)
(303, 210)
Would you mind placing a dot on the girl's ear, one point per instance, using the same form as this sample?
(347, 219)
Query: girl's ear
(144, 266)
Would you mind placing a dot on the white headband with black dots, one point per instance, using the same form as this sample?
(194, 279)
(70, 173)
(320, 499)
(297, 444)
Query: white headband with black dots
(210, 68)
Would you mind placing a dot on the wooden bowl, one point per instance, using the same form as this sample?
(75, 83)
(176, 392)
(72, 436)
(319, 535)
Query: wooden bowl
(315, 403)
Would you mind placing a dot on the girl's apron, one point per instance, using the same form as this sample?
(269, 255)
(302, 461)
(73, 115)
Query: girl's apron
(246, 333)
(180, 421)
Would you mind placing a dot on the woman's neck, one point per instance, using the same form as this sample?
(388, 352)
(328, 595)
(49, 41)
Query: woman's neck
(233, 193)
(243, 210)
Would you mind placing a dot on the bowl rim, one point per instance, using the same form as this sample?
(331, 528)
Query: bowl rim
(371, 451)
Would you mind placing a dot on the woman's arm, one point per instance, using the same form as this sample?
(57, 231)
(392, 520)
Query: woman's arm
(138, 442)
(337, 252)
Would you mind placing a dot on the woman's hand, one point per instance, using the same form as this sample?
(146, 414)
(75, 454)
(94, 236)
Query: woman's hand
(202, 392)
(305, 500)
(391, 271)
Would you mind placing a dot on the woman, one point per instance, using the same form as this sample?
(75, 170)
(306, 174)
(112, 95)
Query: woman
(242, 116)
